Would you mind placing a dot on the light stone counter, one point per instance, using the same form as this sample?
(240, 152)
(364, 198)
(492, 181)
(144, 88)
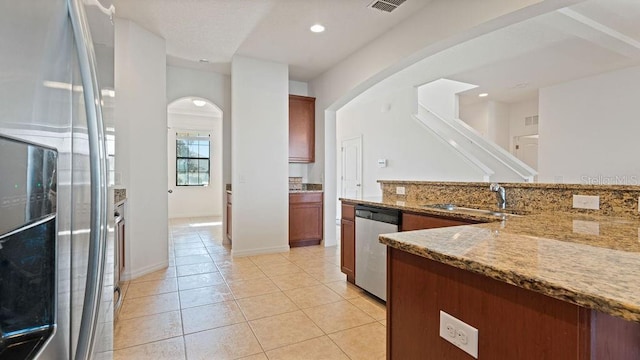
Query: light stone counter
(590, 261)
(119, 196)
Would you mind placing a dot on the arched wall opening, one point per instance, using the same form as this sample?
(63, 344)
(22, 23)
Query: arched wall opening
(193, 120)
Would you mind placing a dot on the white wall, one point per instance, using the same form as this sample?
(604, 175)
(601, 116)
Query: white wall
(439, 25)
(298, 88)
(490, 119)
(216, 88)
(589, 130)
(196, 201)
(499, 124)
(141, 146)
(517, 114)
(440, 97)
(260, 152)
(413, 152)
(476, 115)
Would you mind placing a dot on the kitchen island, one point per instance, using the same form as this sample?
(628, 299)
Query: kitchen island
(532, 287)
(548, 285)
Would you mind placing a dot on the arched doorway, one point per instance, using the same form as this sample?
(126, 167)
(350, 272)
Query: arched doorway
(194, 148)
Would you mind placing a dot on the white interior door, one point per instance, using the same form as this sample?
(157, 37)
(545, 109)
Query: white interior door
(526, 149)
(352, 168)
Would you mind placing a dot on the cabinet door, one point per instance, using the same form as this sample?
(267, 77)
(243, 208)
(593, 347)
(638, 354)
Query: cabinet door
(348, 249)
(305, 224)
(301, 129)
(419, 222)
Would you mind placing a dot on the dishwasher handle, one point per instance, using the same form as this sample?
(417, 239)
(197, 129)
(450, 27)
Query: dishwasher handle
(389, 216)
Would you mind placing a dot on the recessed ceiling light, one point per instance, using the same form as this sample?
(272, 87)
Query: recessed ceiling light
(483, 95)
(317, 28)
(204, 61)
(199, 103)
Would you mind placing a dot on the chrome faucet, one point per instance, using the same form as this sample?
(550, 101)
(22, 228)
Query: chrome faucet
(501, 195)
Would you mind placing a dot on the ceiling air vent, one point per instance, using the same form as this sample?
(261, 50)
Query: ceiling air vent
(386, 5)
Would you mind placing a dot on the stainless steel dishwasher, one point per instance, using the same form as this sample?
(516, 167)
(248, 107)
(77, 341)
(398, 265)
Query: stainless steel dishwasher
(371, 255)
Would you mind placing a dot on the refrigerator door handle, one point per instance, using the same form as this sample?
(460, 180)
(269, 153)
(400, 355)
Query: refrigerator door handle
(98, 169)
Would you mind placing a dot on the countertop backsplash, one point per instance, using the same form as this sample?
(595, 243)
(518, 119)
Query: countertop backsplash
(296, 184)
(533, 198)
(119, 195)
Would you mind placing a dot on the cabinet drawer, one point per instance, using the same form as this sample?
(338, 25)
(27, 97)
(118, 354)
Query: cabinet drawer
(296, 198)
(419, 222)
(348, 212)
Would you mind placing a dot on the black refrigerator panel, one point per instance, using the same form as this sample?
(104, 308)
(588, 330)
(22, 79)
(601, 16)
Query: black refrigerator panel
(28, 243)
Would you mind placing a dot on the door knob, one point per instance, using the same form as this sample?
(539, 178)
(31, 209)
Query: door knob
(358, 185)
(170, 191)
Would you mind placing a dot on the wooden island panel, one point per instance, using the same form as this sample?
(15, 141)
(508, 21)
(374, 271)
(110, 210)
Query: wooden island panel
(348, 242)
(412, 221)
(512, 322)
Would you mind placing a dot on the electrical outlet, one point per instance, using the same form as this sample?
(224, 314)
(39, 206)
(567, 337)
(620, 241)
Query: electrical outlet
(459, 334)
(400, 190)
(586, 202)
(586, 227)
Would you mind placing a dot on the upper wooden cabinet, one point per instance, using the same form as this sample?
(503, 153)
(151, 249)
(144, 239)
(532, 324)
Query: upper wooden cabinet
(302, 119)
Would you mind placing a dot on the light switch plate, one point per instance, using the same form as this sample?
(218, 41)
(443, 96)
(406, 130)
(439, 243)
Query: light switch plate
(586, 202)
(459, 334)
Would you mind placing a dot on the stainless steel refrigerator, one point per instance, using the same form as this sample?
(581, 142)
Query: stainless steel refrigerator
(56, 240)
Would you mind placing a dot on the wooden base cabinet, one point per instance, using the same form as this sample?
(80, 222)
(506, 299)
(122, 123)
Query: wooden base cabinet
(348, 242)
(305, 219)
(512, 323)
(412, 221)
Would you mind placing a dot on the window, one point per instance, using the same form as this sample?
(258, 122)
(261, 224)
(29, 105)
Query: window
(192, 159)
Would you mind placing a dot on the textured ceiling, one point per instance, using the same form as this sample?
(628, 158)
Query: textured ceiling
(275, 30)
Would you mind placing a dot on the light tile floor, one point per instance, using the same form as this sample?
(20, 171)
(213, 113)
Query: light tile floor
(210, 305)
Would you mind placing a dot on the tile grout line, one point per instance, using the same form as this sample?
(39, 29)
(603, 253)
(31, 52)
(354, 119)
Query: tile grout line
(184, 340)
(211, 247)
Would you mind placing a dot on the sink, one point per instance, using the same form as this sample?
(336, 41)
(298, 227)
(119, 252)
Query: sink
(461, 208)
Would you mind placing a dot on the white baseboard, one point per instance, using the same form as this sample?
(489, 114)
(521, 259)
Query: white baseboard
(260, 251)
(130, 275)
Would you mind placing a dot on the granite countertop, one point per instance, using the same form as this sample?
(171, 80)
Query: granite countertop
(419, 207)
(119, 196)
(305, 188)
(588, 260)
(517, 184)
(294, 191)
